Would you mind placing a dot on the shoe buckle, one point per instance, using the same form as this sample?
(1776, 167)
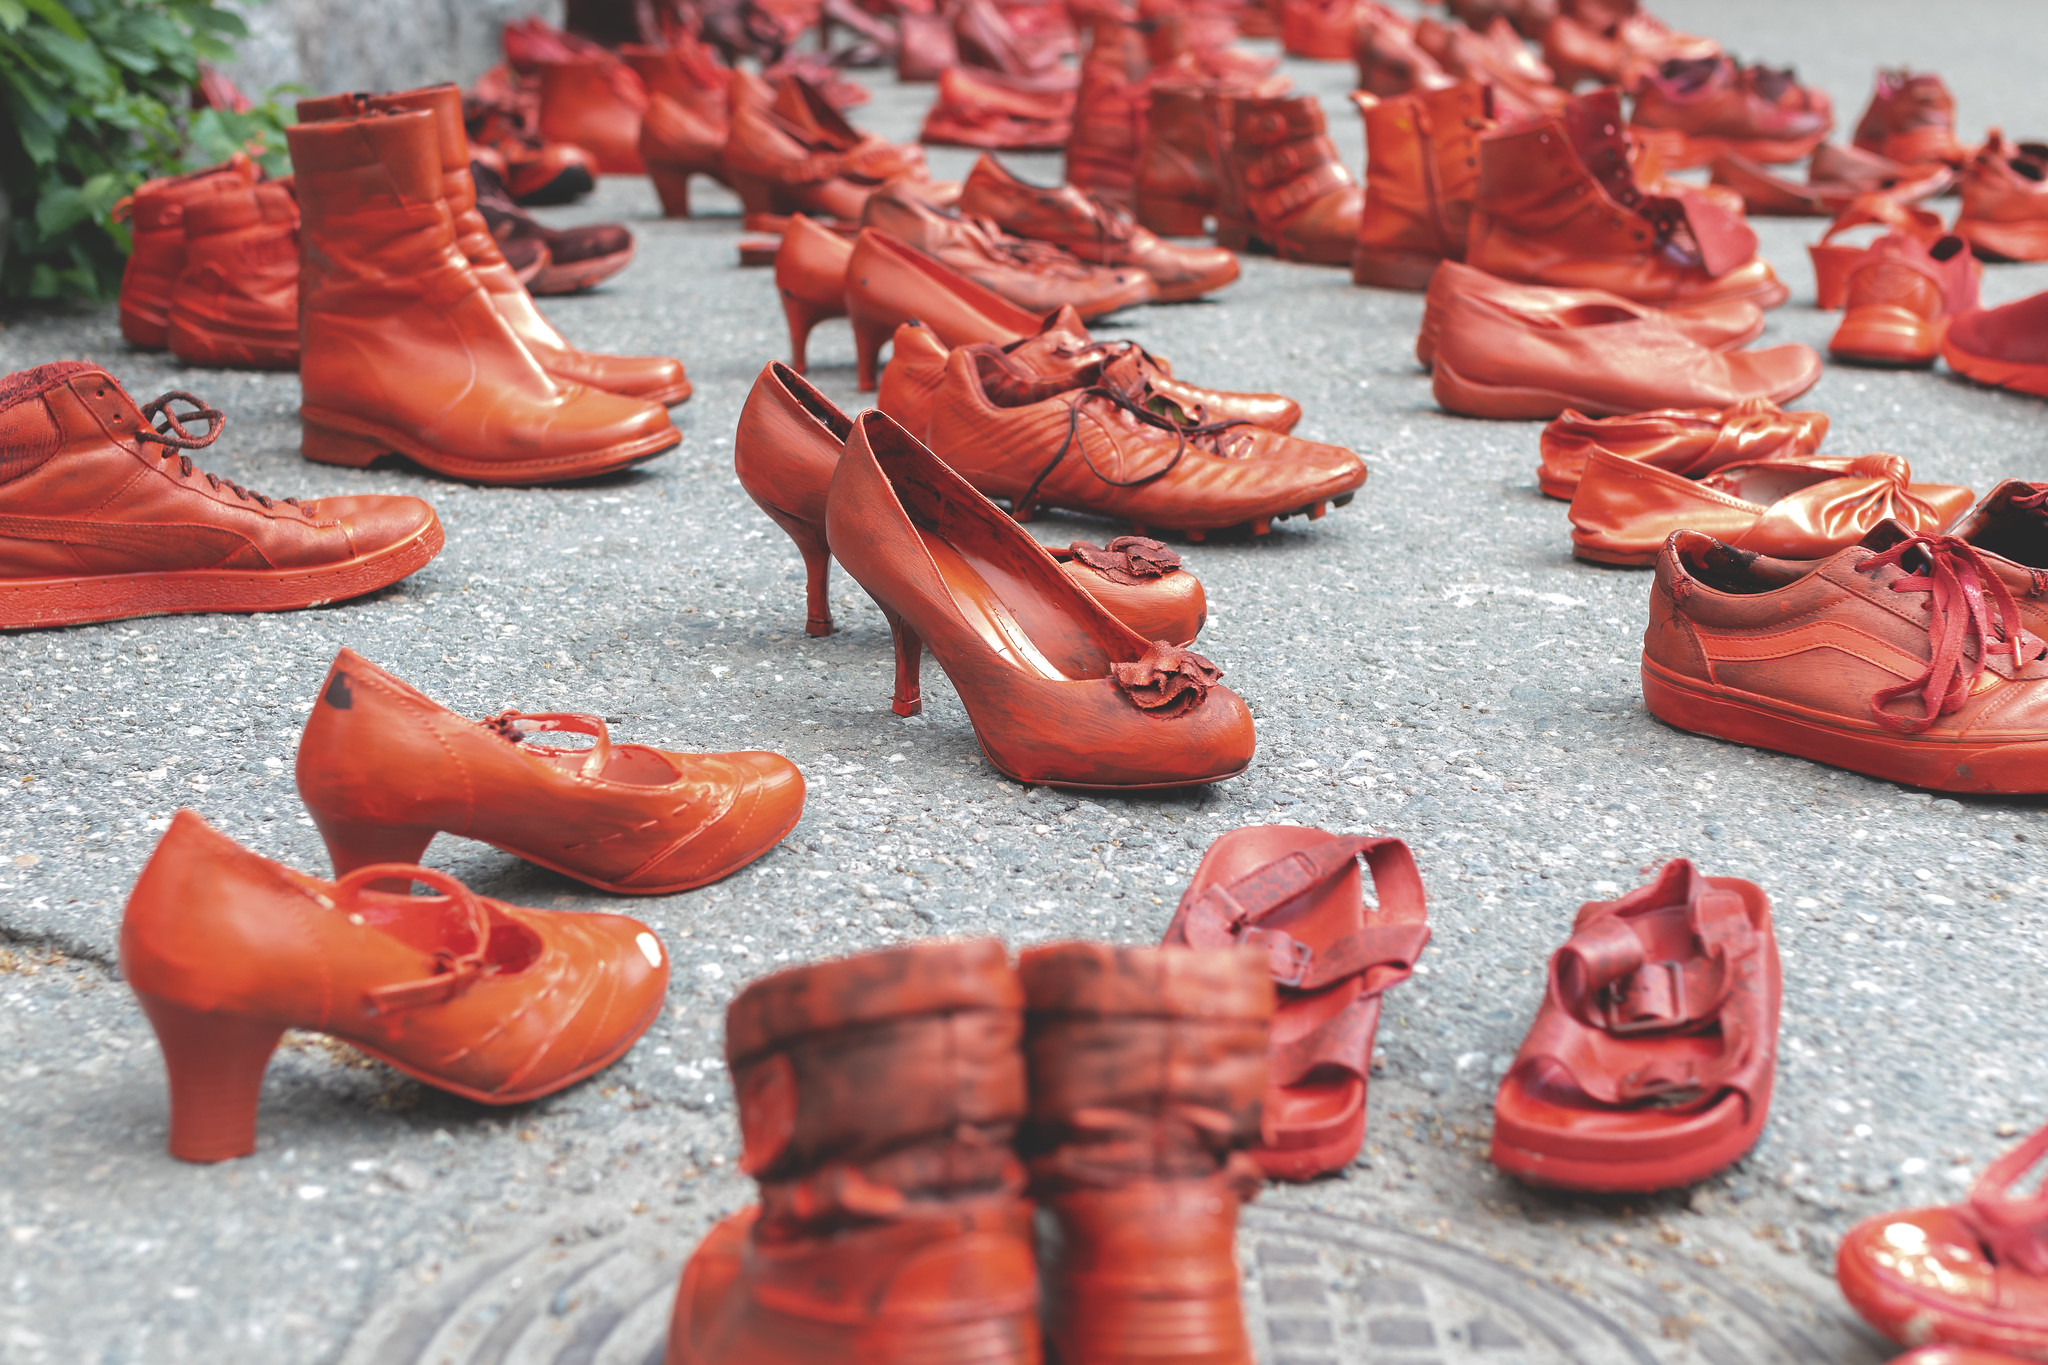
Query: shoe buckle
(1650, 999)
(1287, 957)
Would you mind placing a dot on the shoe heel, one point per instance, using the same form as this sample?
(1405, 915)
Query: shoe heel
(672, 187)
(810, 541)
(803, 315)
(216, 1064)
(869, 336)
(325, 445)
(909, 655)
(757, 196)
(1172, 217)
(359, 843)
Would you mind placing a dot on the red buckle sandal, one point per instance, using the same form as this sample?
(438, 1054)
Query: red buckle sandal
(1651, 1062)
(1295, 893)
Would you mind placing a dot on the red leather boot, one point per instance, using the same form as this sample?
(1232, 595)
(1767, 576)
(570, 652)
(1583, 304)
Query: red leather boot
(236, 304)
(225, 950)
(401, 347)
(1421, 176)
(595, 103)
(878, 1098)
(111, 518)
(653, 379)
(156, 218)
(1283, 186)
(1175, 184)
(1147, 1068)
(1109, 112)
(1559, 204)
(383, 768)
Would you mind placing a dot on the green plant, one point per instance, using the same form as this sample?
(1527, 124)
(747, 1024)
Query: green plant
(97, 96)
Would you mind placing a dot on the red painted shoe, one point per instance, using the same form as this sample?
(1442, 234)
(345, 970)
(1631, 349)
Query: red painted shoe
(788, 445)
(493, 1002)
(1717, 325)
(1700, 110)
(1973, 1275)
(1900, 298)
(1421, 172)
(1911, 119)
(383, 769)
(1294, 893)
(155, 214)
(1952, 696)
(676, 143)
(1062, 350)
(878, 1097)
(236, 304)
(576, 258)
(1058, 690)
(1689, 442)
(2005, 201)
(977, 109)
(1523, 87)
(1147, 1068)
(1651, 1061)
(2005, 346)
(1281, 184)
(111, 519)
(1802, 507)
(889, 282)
(596, 103)
(1834, 262)
(810, 276)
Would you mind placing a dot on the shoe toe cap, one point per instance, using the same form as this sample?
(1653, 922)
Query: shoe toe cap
(378, 521)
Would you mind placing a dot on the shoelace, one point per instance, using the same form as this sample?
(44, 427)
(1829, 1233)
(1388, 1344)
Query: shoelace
(1183, 436)
(1957, 581)
(172, 433)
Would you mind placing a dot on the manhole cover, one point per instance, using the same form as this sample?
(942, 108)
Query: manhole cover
(1320, 1289)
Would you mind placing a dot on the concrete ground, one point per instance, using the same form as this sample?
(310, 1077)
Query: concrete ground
(1428, 662)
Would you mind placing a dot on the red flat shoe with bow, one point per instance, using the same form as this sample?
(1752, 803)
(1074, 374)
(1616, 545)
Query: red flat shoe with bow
(383, 768)
(1295, 893)
(1973, 1274)
(226, 950)
(1058, 690)
(1651, 1062)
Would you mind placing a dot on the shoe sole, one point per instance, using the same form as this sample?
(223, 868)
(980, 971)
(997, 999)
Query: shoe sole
(36, 603)
(557, 278)
(2018, 768)
(1508, 402)
(1617, 1175)
(1256, 526)
(1905, 1316)
(2019, 376)
(2026, 241)
(623, 889)
(1105, 786)
(335, 438)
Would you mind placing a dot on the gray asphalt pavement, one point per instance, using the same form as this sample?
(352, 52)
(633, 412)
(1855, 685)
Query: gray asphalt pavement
(1428, 662)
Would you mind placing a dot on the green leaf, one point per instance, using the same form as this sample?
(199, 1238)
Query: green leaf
(57, 17)
(12, 15)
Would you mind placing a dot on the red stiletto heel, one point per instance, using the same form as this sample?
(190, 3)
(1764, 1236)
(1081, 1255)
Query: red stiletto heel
(672, 187)
(802, 315)
(869, 337)
(909, 657)
(810, 541)
(216, 1064)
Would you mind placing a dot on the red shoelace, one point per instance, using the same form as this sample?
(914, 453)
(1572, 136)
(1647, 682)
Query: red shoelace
(1964, 594)
(171, 433)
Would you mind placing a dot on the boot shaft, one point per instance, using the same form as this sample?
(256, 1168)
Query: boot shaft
(1280, 159)
(1422, 169)
(879, 1086)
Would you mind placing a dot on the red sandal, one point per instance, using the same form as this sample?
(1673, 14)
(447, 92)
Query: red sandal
(1651, 1063)
(1970, 1274)
(1295, 893)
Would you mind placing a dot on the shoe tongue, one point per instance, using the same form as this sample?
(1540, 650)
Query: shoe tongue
(19, 388)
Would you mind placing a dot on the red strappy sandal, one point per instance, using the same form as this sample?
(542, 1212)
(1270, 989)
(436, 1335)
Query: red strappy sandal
(1651, 1063)
(1969, 1274)
(1294, 892)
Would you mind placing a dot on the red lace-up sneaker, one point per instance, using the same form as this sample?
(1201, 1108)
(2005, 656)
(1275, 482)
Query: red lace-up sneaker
(104, 516)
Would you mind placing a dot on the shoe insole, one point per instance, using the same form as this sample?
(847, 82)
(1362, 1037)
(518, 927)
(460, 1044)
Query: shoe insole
(984, 610)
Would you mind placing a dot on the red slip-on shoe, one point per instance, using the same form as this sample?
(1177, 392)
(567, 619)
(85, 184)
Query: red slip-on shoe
(225, 950)
(1900, 299)
(1787, 507)
(1059, 692)
(1690, 442)
(383, 768)
(2005, 201)
(1718, 325)
(1834, 262)
(109, 518)
(1295, 894)
(1651, 1061)
(789, 440)
(1914, 665)
(1973, 1274)
(2005, 346)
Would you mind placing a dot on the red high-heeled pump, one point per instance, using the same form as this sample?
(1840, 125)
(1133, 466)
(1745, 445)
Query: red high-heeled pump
(888, 283)
(810, 275)
(1058, 690)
